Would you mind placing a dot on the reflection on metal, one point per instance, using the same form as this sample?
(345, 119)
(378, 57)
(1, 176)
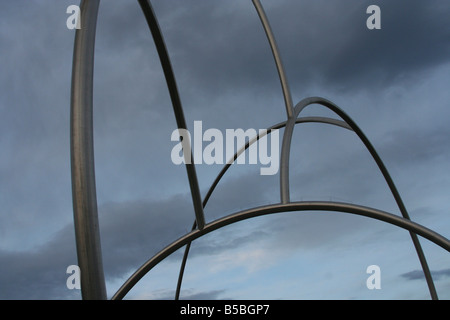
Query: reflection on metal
(82, 157)
(83, 174)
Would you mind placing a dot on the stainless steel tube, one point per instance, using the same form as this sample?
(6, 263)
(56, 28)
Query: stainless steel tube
(82, 157)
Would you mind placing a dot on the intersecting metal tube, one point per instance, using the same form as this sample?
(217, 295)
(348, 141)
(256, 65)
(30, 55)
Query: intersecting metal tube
(82, 157)
(279, 208)
(286, 150)
(280, 125)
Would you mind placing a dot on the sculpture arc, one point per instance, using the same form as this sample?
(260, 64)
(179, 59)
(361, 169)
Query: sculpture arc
(286, 147)
(284, 172)
(83, 173)
(280, 208)
(84, 195)
(176, 103)
(277, 57)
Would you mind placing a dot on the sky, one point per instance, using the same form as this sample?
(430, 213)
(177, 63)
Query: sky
(393, 82)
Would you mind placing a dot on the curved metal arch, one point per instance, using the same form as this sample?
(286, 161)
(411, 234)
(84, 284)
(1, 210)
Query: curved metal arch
(82, 149)
(277, 57)
(84, 194)
(286, 147)
(284, 171)
(390, 218)
(158, 38)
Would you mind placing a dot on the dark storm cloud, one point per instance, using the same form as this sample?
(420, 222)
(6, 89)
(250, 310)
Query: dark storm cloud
(344, 53)
(413, 37)
(219, 50)
(319, 40)
(39, 273)
(131, 233)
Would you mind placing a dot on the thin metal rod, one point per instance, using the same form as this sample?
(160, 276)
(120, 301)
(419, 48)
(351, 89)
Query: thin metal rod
(82, 157)
(176, 103)
(230, 162)
(183, 265)
(284, 175)
(279, 208)
(276, 54)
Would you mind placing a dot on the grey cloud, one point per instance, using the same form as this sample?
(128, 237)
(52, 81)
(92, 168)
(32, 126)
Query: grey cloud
(227, 241)
(415, 146)
(218, 49)
(36, 60)
(186, 294)
(343, 53)
(134, 231)
(131, 232)
(412, 38)
(418, 274)
(39, 274)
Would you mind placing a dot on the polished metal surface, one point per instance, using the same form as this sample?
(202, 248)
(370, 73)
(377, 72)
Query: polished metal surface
(82, 157)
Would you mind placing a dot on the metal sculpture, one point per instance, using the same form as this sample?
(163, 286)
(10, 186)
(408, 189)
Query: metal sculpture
(83, 172)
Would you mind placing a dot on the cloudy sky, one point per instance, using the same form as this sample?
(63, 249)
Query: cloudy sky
(393, 82)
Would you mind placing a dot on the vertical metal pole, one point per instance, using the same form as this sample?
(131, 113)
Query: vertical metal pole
(82, 157)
